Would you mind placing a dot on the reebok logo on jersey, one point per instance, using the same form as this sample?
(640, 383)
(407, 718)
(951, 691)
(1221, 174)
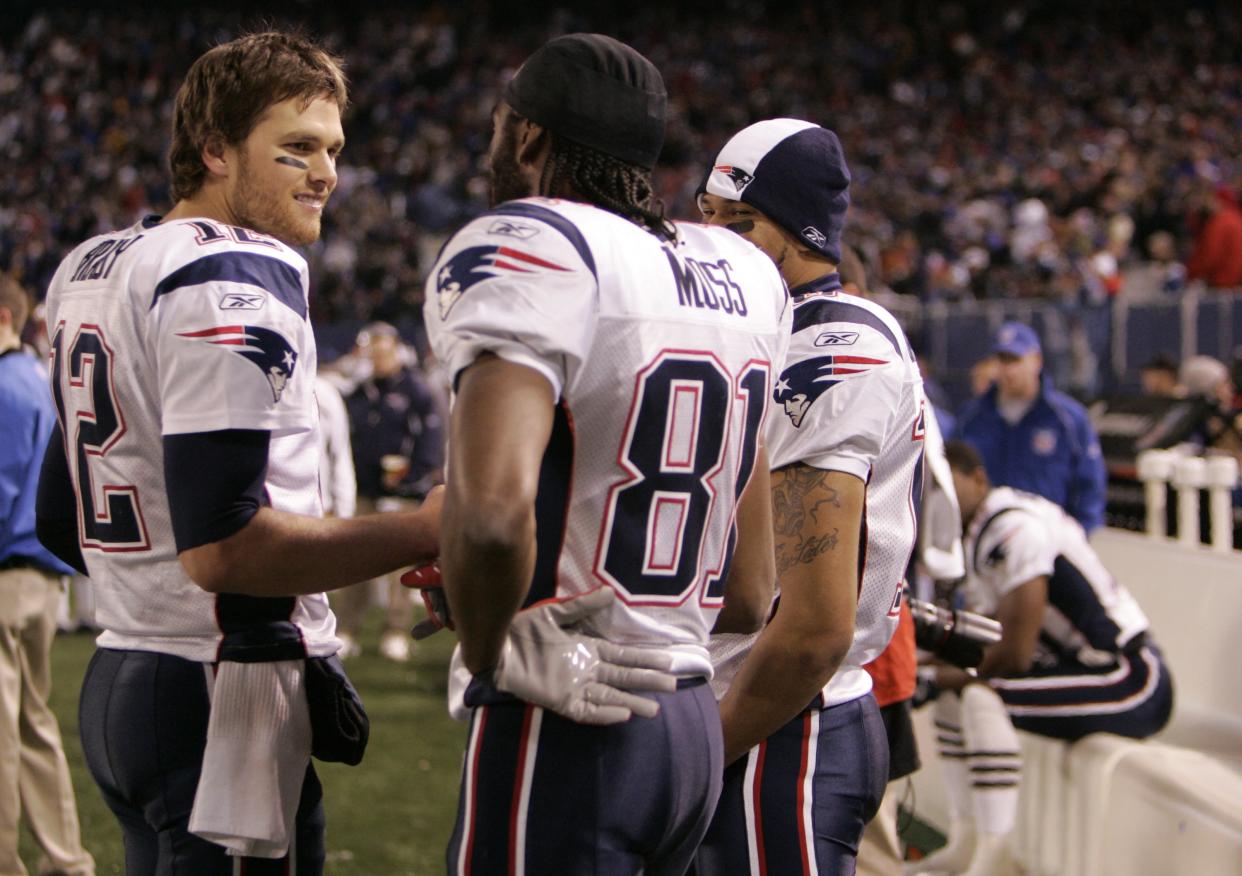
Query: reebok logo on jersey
(266, 348)
(836, 339)
(242, 301)
(478, 263)
(803, 382)
(510, 228)
(741, 179)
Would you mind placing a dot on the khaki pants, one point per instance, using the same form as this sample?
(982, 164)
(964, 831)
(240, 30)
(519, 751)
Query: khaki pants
(351, 603)
(34, 776)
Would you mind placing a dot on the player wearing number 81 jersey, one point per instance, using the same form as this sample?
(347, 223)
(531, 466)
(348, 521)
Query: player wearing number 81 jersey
(612, 374)
(660, 398)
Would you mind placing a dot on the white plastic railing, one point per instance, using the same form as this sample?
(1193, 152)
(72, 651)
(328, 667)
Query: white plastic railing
(1188, 474)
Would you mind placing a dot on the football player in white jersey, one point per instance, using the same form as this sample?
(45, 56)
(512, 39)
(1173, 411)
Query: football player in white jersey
(185, 477)
(611, 375)
(1075, 657)
(808, 750)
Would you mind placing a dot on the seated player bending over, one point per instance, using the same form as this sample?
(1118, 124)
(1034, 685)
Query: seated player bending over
(1075, 657)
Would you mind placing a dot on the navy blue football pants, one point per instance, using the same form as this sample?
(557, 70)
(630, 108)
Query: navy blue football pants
(1132, 696)
(543, 795)
(143, 719)
(798, 802)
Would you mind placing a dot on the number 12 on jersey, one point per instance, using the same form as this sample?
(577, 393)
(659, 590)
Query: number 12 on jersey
(681, 425)
(116, 523)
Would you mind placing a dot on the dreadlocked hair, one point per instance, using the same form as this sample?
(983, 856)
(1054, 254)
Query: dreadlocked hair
(615, 185)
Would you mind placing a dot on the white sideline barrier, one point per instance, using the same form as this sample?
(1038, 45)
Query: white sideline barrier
(1193, 597)
(1108, 806)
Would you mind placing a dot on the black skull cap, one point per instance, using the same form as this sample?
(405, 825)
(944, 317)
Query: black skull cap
(597, 92)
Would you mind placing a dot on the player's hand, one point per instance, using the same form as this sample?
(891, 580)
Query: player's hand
(430, 586)
(586, 679)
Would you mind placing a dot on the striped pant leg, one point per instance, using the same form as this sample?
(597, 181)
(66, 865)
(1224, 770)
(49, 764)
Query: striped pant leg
(1133, 697)
(541, 794)
(798, 802)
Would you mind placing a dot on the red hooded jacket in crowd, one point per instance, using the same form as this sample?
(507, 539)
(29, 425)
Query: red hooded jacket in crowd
(1217, 256)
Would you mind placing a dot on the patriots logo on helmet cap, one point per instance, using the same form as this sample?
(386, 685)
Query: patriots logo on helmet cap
(803, 382)
(478, 263)
(741, 179)
(266, 348)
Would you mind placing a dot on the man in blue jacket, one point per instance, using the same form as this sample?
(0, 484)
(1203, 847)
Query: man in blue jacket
(35, 786)
(1033, 437)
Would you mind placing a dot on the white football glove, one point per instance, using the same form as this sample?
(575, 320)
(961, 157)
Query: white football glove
(578, 676)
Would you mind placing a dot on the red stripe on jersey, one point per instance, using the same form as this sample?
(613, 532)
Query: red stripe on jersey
(510, 253)
(212, 332)
(498, 263)
(859, 360)
(230, 342)
(836, 371)
(801, 804)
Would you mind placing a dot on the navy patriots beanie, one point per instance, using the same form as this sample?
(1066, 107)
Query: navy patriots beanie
(596, 91)
(793, 172)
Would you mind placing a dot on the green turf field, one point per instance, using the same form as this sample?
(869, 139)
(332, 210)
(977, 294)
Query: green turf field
(389, 816)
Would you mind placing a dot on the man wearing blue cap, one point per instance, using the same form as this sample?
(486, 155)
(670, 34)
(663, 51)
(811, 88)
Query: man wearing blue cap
(1033, 437)
(804, 736)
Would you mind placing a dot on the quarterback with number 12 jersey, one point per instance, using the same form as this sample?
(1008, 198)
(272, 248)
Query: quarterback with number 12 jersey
(662, 356)
(163, 329)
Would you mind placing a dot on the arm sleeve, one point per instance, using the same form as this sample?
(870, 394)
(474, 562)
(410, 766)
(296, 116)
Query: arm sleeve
(530, 300)
(215, 483)
(1090, 479)
(56, 505)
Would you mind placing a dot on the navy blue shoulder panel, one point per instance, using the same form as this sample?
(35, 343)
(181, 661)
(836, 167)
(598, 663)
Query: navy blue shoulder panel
(553, 218)
(279, 278)
(817, 311)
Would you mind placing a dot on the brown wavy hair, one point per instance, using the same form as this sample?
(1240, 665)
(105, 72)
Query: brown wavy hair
(228, 89)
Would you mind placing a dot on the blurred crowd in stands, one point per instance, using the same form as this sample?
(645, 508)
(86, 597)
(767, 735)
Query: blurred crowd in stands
(998, 150)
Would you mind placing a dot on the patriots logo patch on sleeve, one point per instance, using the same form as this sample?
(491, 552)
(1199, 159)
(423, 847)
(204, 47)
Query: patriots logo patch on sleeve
(478, 263)
(268, 349)
(803, 382)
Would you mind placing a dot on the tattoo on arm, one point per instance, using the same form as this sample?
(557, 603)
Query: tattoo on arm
(795, 487)
(799, 492)
(805, 551)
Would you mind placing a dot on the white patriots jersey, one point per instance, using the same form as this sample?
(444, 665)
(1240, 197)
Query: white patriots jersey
(1016, 537)
(661, 356)
(173, 328)
(851, 400)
